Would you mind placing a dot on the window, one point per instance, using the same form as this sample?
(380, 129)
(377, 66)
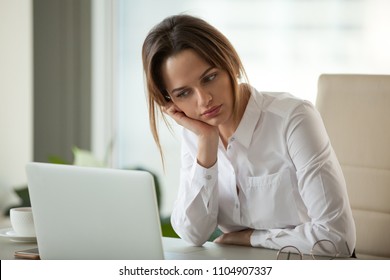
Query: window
(285, 45)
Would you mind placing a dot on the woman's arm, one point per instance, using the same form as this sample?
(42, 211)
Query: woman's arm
(242, 238)
(321, 186)
(194, 216)
(195, 211)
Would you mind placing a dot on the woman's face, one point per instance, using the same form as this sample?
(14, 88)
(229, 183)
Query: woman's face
(201, 91)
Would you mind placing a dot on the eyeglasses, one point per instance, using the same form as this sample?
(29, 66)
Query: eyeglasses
(322, 249)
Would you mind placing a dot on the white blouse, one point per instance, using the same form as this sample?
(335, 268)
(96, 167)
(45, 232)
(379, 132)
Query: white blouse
(279, 175)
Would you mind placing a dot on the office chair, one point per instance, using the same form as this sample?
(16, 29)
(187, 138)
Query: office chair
(356, 113)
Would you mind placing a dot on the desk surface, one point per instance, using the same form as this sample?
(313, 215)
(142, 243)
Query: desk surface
(179, 249)
(174, 248)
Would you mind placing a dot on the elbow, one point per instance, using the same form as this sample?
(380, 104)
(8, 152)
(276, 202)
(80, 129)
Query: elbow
(191, 234)
(349, 237)
(345, 244)
(191, 238)
(346, 233)
(197, 242)
(343, 236)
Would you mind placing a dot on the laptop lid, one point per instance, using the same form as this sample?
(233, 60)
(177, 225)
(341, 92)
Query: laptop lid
(94, 213)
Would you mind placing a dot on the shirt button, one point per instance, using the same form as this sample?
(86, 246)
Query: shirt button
(208, 177)
(232, 139)
(236, 206)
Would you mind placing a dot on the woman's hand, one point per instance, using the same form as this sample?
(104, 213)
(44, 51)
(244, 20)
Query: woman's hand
(208, 135)
(242, 238)
(198, 127)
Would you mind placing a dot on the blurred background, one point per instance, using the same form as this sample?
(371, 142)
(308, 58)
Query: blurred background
(71, 72)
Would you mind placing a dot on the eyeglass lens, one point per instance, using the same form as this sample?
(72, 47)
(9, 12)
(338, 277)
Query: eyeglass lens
(289, 253)
(324, 249)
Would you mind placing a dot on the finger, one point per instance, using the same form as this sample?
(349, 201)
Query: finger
(170, 108)
(167, 106)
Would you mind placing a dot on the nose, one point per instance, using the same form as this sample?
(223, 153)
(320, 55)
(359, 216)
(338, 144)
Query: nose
(204, 97)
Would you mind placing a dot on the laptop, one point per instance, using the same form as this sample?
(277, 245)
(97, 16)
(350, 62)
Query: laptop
(94, 213)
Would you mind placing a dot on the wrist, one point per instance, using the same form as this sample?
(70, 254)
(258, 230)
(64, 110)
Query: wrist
(207, 150)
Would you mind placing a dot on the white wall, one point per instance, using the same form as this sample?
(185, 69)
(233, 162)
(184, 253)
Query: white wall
(15, 95)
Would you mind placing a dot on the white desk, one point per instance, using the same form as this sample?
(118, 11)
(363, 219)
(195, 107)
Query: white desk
(179, 249)
(174, 248)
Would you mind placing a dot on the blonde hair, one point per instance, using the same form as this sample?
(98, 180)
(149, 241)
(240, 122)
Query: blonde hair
(173, 35)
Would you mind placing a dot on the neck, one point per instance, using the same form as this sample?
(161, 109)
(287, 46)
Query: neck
(227, 129)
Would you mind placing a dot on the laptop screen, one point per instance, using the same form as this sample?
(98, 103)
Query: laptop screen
(94, 213)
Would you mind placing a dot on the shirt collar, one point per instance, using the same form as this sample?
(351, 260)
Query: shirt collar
(250, 118)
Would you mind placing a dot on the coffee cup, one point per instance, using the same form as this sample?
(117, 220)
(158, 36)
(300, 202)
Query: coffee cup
(22, 221)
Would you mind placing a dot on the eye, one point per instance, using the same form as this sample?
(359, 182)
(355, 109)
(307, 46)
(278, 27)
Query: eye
(183, 93)
(209, 78)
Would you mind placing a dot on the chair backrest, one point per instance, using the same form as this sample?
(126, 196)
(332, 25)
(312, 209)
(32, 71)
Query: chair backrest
(356, 113)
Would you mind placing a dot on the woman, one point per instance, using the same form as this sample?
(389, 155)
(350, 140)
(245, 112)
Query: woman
(258, 165)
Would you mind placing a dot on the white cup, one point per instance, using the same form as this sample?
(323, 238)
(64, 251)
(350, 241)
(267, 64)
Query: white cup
(22, 221)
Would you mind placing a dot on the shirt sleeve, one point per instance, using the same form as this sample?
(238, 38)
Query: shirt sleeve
(194, 215)
(321, 186)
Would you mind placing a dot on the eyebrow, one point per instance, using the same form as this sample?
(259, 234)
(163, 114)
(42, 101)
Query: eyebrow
(200, 77)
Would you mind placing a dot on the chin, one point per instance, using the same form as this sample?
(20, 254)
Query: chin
(213, 122)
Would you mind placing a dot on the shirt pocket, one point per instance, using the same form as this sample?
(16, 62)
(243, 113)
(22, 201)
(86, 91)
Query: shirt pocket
(270, 200)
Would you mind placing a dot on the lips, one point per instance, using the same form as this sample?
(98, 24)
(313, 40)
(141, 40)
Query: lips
(212, 112)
